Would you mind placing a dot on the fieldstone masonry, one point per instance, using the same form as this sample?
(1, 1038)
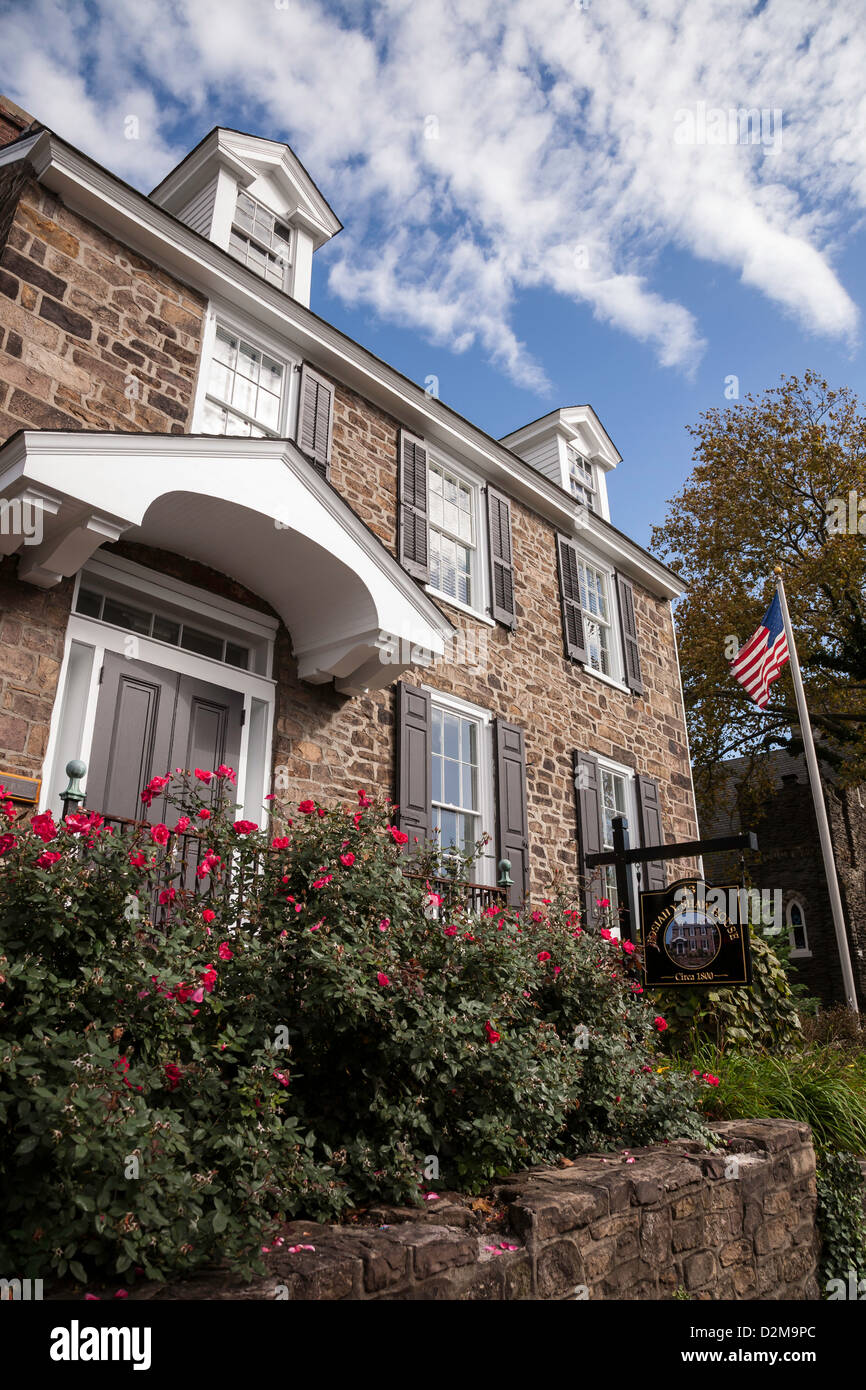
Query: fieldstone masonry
(735, 1223)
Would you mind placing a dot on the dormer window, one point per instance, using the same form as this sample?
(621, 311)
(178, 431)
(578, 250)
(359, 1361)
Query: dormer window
(261, 240)
(581, 479)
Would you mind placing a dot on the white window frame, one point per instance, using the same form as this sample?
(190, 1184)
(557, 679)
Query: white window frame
(616, 674)
(484, 870)
(630, 777)
(88, 639)
(480, 606)
(591, 489)
(795, 953)
(266, 248)
(219, 315)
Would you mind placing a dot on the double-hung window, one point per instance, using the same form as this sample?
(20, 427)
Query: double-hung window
(581, 479)
(461, 781)
(245, 389)
(596, 604)
(454, 568)
(260, 240)
(456, 748)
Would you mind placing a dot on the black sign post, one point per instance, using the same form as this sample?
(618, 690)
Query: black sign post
(621, 856)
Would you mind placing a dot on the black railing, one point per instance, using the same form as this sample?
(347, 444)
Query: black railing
(454, 892)
(178, 861)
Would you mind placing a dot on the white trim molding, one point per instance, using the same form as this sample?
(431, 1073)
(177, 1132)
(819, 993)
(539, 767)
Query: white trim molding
(255, 509)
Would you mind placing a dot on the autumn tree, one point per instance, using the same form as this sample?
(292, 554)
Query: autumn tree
(778, 480)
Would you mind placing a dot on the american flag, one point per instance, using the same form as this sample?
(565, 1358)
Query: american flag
(760, 661)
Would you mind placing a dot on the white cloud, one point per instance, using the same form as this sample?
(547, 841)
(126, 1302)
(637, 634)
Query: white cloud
(555, 161)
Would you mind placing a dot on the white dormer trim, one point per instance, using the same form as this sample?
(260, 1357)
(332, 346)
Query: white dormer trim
(545, 444)
(203, 191)
(249, 159)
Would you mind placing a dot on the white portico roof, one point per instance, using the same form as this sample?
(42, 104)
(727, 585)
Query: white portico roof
(254, 509)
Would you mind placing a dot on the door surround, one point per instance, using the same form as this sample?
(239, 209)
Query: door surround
(89, 639)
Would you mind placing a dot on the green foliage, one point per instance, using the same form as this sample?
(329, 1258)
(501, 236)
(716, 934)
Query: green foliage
(821, 1086)
(840, 1217)
(763, 1014)
(771, 472)
(303, 1038)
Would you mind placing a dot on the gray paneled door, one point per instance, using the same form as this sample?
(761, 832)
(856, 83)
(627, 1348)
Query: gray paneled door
(150, 721)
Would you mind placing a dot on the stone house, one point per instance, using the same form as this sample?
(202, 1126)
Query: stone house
(232, 534)
(789, 865)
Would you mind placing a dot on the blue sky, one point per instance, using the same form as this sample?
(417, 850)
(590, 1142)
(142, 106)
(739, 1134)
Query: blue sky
(546, 202)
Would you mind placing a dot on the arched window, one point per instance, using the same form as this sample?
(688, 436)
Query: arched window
(797, 929)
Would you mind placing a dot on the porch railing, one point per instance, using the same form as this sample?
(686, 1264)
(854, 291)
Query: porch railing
(179, 860)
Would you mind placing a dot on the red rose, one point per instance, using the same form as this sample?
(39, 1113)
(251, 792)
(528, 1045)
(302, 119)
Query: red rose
(244, 827)
(492, 1035)
(43, 826)
(204, 813)
(159, 834)
(399, 836)
(224, 951)
(660, 1023)
(280, 842)
(306, 808)
(203, 776)
(223, 771)
(209, 979)
(173, 1075)
(544, 955)
(208, 914)
(347, 860)
(383, 980)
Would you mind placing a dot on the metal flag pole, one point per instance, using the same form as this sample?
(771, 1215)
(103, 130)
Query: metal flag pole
(818, 802)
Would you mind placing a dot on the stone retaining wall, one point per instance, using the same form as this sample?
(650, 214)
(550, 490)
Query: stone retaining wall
(737, 1223)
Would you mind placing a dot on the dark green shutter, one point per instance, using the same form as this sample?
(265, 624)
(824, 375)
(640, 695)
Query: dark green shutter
(414, 775)
(652, 876)
(587, 791)
(512, 819)
(569, 592)
(315, 419)
(412, 542)
(628, 626)
(502, 603)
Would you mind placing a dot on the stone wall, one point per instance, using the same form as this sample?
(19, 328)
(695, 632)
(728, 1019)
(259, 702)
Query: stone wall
(92, 336)
(789, 859)
(738, 1223)
(32, 630)
(330, 745)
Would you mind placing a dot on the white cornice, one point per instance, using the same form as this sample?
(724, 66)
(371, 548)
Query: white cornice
(140, 223)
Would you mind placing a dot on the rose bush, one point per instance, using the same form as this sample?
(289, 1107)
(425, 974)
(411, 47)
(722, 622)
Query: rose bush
(285, 1024)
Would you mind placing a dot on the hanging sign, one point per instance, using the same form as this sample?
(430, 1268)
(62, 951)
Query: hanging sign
(693, 933)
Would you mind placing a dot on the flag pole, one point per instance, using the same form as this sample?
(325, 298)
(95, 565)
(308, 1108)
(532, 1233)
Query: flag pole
(818, 801)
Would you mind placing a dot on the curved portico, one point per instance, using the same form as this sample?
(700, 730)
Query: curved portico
(254, 509)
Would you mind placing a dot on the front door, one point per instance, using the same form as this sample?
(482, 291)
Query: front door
(150, 721)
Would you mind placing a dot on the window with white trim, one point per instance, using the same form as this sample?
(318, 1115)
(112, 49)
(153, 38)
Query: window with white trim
(453, 532)
(581, 479)
(797, 937)
(597, 605)
(617, 798)
(261, 240)
(246, 389)
(461, 756)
